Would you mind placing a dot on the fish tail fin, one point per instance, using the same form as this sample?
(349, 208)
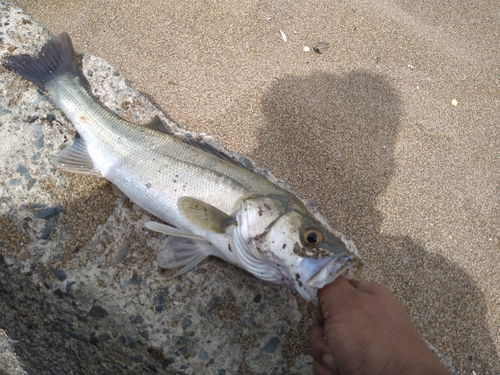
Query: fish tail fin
(56, 58)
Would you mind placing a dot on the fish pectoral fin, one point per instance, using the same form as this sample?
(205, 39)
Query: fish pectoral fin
(185, 253)
(156, 124)
(171, 231)
(76, 159)
(204, 215)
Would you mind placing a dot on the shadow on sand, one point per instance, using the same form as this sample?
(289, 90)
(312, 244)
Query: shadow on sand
(340, 132)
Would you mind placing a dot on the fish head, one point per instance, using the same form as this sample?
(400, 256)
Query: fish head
(304, 253)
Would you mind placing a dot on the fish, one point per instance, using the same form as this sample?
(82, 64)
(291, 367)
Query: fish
(214, 204)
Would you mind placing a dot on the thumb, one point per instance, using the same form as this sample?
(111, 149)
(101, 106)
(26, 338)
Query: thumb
(333, 295)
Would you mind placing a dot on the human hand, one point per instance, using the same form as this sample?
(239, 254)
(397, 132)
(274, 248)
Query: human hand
(365, 330)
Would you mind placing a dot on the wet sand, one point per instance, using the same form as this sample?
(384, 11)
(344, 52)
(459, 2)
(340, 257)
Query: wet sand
(367, 130)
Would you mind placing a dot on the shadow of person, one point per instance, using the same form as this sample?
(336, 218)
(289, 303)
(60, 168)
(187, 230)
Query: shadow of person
(332, 138)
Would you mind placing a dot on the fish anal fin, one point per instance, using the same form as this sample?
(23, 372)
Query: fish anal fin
(116, 190)
(76, 159)
(203, 215)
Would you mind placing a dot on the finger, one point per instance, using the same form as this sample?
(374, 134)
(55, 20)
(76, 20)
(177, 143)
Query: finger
(337, 285)
(319, 369)
(371, 288)
(355, 283)
(334, 294)
(319, 348)
(316, 314)
(317, 342)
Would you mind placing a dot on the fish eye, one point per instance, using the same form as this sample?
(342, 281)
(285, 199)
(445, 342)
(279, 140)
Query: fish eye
(313, 237)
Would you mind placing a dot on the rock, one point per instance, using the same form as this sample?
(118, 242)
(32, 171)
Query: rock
(122, 252)
(98, 312)
(47, 231)
(47, 213)
(59, 274)
(271, 345)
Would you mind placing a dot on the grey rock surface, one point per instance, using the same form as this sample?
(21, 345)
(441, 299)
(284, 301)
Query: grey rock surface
(80, 290)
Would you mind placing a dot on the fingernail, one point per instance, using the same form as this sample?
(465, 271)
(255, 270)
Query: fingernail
(328, 361)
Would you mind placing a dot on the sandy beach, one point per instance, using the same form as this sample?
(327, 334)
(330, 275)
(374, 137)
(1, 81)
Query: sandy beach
(393, 131)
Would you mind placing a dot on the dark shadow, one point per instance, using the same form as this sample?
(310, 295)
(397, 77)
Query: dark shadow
(333, 137)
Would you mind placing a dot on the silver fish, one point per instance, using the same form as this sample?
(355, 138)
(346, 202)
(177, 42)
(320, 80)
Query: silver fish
(217, 206)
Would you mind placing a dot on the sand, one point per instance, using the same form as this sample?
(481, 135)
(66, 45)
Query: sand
(367, 129)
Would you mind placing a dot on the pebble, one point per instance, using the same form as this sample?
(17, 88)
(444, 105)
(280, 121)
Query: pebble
(47, 231)
(137, 358)
(271, 345)
(31, 183)
(98, 312)
(122, 252)
(37, 134)
(59, 274)
(81, 315)
(50, 118)
(15, 182)
(135, 280)
(31, 119)
(69, 285)
(37, 205)
(202, 354)
(47, 213)
(137, 319)
(22, 169)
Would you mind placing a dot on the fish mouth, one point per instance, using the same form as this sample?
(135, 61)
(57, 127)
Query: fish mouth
(340, 265)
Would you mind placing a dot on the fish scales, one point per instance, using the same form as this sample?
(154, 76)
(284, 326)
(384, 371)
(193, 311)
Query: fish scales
(158, 165)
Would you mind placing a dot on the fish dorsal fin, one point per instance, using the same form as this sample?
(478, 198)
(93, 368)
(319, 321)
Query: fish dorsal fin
(212, 150)
(76, 159)
(204, 215)
(156, 124)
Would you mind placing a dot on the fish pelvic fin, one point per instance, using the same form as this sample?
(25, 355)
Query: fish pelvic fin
(185, 253)
(76, 159)
(182, 249)
(204, 215)
(171, 231)
(56, 58)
